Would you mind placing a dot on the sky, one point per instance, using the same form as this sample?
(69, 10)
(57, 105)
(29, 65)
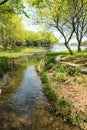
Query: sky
(29, 25)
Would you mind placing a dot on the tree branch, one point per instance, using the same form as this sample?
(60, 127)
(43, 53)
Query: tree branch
(4, 1)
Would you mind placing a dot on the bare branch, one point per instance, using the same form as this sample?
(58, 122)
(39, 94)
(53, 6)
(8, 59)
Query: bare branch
(4, 1)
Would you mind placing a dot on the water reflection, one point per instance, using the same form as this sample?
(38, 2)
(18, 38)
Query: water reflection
(27, 107)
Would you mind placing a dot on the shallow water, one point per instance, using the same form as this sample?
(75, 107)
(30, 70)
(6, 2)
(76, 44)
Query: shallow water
(26, 107)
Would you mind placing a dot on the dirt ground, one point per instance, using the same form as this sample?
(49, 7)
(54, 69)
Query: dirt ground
(74, 90)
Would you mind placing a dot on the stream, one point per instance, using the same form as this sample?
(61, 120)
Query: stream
(25, 107)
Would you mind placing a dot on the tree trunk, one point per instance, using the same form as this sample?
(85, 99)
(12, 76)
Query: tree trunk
(79, 46)
(69, 49)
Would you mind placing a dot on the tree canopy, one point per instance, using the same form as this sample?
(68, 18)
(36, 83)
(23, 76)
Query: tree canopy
(41, 38)
(67, 16)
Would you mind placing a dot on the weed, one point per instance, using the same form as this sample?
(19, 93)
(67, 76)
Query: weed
(50, 92)
(44, 77)
(61, 77)
(49, 66)
(72, 71)
(65, 106)
(74, 119)
(4, 65)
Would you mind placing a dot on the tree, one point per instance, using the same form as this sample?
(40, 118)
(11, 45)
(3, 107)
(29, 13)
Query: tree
(80, 7)
(56, 14)
(12, 32)
(40, 38)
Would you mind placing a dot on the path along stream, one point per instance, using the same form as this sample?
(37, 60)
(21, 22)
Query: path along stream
(26, 107)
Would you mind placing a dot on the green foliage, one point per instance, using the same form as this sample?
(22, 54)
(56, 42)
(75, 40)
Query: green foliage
(67, 69)
(40, 38)
(61, 68)
(50, 92)
(65, 106)
(72, 71)
(44, 77)
(74, 119)
(4, 65)
(61, 77)
(12, 33)
(48, 66)
(49, 59)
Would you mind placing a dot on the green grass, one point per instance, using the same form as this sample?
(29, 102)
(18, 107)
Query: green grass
(8, 55)
(60, 73)
(61, 77)
(50, 92)
(76, 55)
(4, 65)
(18, 52)
(65, 107)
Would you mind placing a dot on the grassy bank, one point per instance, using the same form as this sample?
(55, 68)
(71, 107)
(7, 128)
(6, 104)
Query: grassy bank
(78, 58)
(18, 52)
(8, 56)
(61, 84)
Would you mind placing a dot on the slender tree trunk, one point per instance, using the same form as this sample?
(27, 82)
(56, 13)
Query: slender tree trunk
(79, 46)
(69, 49)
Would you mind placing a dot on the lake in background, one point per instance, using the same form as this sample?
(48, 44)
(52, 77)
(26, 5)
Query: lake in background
(58, 48)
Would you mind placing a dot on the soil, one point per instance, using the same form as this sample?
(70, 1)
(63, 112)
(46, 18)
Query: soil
(74, 90)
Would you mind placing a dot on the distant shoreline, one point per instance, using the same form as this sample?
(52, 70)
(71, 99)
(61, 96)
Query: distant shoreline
(60, 47)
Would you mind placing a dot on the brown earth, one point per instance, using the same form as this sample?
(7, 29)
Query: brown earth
(74, 90)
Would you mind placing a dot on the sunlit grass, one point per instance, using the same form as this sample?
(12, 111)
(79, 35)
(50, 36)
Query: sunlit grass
(19, 52)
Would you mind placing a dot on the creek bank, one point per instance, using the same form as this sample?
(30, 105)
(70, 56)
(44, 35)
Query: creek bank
(66, 87)
(8, 63)
(24, 114)
(24, 100)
